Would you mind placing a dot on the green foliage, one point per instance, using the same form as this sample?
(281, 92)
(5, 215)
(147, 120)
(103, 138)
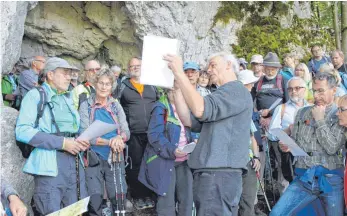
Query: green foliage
(260, 34)
(238, 10)
(264, 36)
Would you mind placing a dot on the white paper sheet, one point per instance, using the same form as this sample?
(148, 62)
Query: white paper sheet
(97, 129)
(275, 104)
(74, 209)
(294, 148)
(189, 148)
(155, 70)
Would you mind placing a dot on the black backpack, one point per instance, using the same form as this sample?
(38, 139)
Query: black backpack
(26, 149)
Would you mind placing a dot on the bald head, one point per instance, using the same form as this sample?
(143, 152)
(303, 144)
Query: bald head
(92, 64)
(38, 63)
(90, 68)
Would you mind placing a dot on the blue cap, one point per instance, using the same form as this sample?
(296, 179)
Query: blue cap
(191, 65)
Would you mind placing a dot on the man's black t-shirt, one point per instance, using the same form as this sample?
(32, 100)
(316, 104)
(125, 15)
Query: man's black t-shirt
(269, 92)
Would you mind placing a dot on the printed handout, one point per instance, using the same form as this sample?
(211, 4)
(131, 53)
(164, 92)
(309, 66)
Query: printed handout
(155, 70)
(97, 129)
(282, 136)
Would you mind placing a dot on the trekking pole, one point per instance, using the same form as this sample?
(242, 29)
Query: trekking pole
(114, 158)
(270, 171)
(121, 184)
(262, 188)
(78, 178)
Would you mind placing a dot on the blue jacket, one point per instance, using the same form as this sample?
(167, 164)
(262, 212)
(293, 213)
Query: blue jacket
(43, 159)
(159, 157)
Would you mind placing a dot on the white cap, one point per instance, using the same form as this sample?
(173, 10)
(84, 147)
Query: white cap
(257, 59)
(247, 77)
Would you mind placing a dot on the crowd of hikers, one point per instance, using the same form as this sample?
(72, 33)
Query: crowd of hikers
(227, 107)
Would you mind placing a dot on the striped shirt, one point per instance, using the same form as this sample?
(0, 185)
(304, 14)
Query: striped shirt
(324, 138)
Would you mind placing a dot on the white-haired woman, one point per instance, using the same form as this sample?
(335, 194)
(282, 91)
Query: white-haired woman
(301, 70)
(103, 107)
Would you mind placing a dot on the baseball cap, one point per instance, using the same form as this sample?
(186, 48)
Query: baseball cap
(55, 62)
(257, 59)
(247, 77)
(191, 65)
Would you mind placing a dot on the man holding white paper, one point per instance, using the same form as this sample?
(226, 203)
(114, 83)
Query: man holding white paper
(320, 175)
(283, 118)
(223, 117)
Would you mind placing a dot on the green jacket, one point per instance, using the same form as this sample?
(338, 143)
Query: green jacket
(6, 88)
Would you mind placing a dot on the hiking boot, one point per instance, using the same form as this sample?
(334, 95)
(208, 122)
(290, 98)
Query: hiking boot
(129, 207)
(149, 202)
(106, 211)
(140, 204)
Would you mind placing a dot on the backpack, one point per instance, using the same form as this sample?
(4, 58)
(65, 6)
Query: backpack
(26, 149)
(83, 96)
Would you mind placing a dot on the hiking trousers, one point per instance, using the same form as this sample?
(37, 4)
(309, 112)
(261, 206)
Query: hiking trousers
(96, 176)
(217, 193)
(54, 193)
(249, 192)
(180, 191)
(136, 147)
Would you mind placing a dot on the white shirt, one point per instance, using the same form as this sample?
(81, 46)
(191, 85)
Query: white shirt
(288, 117)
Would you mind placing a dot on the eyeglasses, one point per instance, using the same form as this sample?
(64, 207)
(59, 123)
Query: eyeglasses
(91, 70)
(134, 66)
(297, 88)
(319, 91)
(340, 109)
(105, 84)
(42, 61)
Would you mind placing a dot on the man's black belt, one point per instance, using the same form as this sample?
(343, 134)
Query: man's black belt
(318, 154)
(65, 134)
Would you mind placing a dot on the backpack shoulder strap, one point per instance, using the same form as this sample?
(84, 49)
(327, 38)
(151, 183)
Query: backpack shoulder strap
(41, 108)
(260, 83)
(279, 80)
(282, 111)
(41, 105)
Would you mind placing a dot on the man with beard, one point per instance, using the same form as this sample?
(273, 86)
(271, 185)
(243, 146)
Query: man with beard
(320, 175)
(74, 80)
(137, 101)
(257, 65)
(283, 118)
(270, 87)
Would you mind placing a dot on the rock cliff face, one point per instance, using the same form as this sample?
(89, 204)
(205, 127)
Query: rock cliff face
(12, 161)
(113, 31)
(12, 20)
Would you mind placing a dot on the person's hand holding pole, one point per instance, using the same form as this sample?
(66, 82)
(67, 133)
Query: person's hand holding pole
(283, 147)
(117, 144)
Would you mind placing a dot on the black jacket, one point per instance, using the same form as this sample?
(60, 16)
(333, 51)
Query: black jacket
(137, 108)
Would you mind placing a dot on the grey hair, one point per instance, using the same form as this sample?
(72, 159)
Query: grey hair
(302, 81)
(329, 77)
(104, 71)
(115, 68)
(339, 52)
(229, 58)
